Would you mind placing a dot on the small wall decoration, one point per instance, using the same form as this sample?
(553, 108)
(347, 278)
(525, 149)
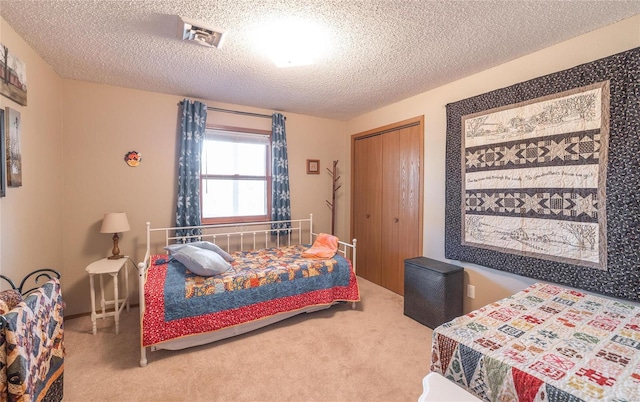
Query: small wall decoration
(133, 158)
(313, 166)
(13, 76)
(13, 128)
(3, 158)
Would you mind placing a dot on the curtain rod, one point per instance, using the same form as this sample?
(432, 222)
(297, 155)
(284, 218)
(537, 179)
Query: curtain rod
(217, 109)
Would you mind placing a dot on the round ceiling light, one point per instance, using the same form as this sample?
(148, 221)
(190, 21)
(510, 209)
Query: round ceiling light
(291, 42)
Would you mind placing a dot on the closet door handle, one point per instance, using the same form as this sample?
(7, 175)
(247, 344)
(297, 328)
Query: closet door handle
(367, 216)
(396, 220)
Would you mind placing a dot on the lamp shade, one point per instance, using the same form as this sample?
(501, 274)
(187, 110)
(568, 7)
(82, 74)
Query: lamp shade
(115, 222)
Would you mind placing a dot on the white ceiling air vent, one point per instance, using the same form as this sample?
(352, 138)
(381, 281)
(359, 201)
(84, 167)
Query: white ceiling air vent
(199, 33)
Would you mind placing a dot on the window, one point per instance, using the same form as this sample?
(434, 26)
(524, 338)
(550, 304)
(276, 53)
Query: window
(236, 175)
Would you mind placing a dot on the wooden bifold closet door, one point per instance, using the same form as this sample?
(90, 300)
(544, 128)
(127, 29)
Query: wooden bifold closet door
(386, 201)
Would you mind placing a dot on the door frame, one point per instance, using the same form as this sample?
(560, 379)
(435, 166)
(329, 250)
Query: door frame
(415, 121)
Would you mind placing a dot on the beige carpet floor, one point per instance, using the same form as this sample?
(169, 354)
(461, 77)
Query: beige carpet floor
(372, 353)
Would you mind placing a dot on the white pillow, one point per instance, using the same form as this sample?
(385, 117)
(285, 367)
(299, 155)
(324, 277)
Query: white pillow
(207, 245)
(201, 261)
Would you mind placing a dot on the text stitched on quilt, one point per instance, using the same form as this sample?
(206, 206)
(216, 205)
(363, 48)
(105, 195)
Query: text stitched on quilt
(532, 179)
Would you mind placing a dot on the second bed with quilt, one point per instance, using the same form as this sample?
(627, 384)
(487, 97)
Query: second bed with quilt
(545, 343)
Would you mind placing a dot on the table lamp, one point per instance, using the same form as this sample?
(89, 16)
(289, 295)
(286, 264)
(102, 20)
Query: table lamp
(115, 222)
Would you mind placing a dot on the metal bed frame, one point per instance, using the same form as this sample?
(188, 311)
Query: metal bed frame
(232, 237)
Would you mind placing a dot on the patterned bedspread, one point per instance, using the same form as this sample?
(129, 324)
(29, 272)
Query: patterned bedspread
(32, 347)
(260, 284)
(546, 343)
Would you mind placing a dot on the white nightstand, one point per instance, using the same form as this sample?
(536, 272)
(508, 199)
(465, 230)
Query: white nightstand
(111, 267)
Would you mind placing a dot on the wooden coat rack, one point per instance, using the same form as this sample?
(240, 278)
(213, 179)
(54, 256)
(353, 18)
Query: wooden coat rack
(334, 188)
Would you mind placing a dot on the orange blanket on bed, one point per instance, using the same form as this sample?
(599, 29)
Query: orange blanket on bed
(325, 246)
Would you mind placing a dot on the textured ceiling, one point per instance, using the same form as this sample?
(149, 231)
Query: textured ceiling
(381, 51)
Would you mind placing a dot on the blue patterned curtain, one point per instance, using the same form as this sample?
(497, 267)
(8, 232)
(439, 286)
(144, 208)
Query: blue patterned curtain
(194, 119)
(280, 198)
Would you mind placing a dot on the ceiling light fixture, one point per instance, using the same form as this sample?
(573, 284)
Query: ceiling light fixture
(199, 33)
(291, 42)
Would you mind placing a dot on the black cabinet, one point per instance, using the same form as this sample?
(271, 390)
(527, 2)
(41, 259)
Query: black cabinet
(432, 291)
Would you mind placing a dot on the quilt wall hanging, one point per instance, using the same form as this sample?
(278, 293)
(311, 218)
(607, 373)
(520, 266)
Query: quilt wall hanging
(543, 177)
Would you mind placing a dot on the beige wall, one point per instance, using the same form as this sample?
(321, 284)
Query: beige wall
(102, 123)
(31, 216)
(490, 284)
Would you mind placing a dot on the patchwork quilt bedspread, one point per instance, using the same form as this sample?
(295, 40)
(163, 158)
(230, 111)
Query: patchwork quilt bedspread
(545, 343)
(261, 283)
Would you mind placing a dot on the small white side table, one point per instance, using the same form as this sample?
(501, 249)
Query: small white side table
(111, 267)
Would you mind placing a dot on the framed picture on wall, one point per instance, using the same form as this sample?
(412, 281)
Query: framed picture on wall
(3, 162)
(313, 166)
(12, 132)
(13, 76)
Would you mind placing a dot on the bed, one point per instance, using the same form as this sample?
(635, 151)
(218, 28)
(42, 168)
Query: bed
(545, 343)
(269, 280)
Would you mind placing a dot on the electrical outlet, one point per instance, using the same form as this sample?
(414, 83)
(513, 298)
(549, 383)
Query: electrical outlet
(471, 291)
